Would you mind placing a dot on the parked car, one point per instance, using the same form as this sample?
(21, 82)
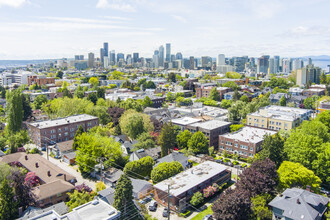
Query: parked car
(324, 191)
(145, 200)
(208, 217)
(153, 206)
(229, 164)
(202, 208)
(219, 161)
(165, 214)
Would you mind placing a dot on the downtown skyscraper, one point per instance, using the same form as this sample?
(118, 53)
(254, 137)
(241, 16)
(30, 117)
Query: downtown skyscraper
(161, 56)
(168, 52)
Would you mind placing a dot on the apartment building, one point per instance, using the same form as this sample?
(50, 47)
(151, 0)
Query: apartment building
(323, 106)
(278, 117)
(245, 142)
(313, 92)
(40, 80)
(204, 91)
(63, 129)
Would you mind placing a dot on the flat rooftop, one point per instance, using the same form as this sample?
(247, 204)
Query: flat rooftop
(249, 134)
(188, 179)
(185, 120)
(62, 121)
(212, 124)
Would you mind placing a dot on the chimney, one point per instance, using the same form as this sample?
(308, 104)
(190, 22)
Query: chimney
(308, 188)
(48, 173)
(64, 177)
(37, 165)
(26, 157)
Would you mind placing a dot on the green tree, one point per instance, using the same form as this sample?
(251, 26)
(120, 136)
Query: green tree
(147, 102)
(123, 200)
(27, 110)
(283, 101)
(260, 207)
(197, 199)
(296, 175)
(167, 138)
(76, 136)
(170, 97)
(134, 124)
(66, 93)
(214, 95)
(59, 74)
(235, 127)
(225, 103)
(19, 139)
(236, 95)
(14, 111)
(94, 81)
(92, 97)
(324, 117)
(145, 141)
(140, 168)
(273, 148)
(198, 143)
(131, 104)
(165, 170)
(100, 93)
(237, 111)
(148, 85)
(244, 98)
(99, 186)
(79, 198)
(171, 77)
(8, 205)
(323, 78)
(2, 92)
(310, 102)
(183, 138)
(231, 85)
(39, 100)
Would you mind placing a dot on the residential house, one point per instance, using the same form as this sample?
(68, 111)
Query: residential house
(111, 176)
(174, 156)
(55, 183)
(107, 195)
(245, 142)
(154, 153)
(323, 106)
(60, 208)
(128, 146)
(230, 95)
(298, 204)
(185, 184)
(156, 100)
(295, 91)
(314, 92)
(59, 149)
(69, 157)
(275, 98)
(141, 188)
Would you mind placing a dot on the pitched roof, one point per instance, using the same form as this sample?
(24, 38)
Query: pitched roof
(152, 152)
(65, 146)
(46, 190)
(139, 185)
(174, 156)
(107, 195)
(300, 204)
(31, 211)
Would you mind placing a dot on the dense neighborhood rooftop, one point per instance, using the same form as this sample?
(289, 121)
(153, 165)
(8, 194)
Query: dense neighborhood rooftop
(249, 134)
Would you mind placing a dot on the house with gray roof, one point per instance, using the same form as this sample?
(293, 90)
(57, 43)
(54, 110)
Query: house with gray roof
(174, 156)
(154, 153)
(107, 195)
(298, 204)
(141, 188)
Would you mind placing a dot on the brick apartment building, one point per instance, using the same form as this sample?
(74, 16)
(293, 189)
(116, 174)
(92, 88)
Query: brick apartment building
(58, 130)
(245, 142)
(205, 91)
(40, 80)
(55, 183)
(185, 184)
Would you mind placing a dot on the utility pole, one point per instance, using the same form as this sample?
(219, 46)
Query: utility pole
(168, 203)
(47, 151)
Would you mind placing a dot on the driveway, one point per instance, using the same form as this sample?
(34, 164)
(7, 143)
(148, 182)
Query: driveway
(71, 170)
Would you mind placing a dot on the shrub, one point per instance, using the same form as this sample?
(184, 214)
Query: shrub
(197, 199)
(31, 179)
(186, 214)
(226, 160)
(34, 151)
(209, 191)
(243, 165)
(83, 187)
(235, 162)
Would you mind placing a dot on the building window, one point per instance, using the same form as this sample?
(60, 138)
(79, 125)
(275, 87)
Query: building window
(66, 134)
(59, 130)
(251, 148)
(66, 128)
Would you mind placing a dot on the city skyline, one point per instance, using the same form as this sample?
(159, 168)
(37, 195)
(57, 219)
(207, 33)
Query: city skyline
(35, 29)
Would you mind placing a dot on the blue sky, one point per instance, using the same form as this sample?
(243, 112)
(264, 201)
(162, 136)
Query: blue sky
(31, 29)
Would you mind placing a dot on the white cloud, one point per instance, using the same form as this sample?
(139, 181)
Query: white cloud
(119, 5)
(13, 3)
(179, 18)
(266, 9)
(117, 18)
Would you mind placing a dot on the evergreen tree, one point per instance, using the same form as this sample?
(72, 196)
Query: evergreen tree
(323, 78)
(214, 95)
(123, 200)
(273, 148)
(27, 110)
(14, 111)
(8, 205)
(92, 97)
(236, 96)
(167, 138)
(283, 101)
(75, 139)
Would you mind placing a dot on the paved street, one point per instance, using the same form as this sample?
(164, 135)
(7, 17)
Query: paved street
(72, 171)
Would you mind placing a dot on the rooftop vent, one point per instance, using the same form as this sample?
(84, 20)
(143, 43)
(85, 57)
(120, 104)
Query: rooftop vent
(37, 165)
(26, 157)
(111, 212)
(298, 202)
(95, 202)
(48, 173)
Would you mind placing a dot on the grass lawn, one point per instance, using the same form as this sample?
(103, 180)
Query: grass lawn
(201, 215)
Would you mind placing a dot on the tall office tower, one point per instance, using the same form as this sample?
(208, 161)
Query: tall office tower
(239, 63)
(309, 74)
(178, 56)
(168, 52)
(156, 52)
(191, 63)
(106, 63)
(277, 64)
(297, 64)
(102, 55)
(272, 66)
(161, 55)
(310, 62)
(186, 63)
(263, 64)
(106, 49)
(135, 57)
(120, 56)
(155, 60)
(76, 57)
(112, 57)
(221, 60)
(172, 57)
(128, 56)
(286, 65)
(206, 62)
(81, 57)
(90, 62)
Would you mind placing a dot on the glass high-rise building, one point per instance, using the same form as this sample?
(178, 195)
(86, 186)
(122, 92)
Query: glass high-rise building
(161, 56)
(168, 52)
(106, 49)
